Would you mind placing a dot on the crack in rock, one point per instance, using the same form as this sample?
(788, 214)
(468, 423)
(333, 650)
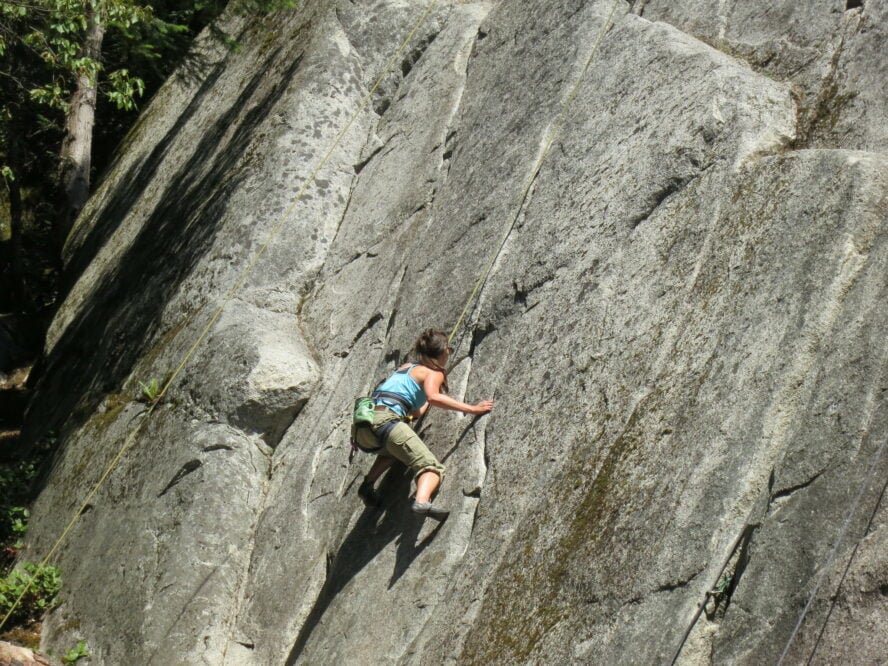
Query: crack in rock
(777, 498)
(675, 185)
(185, 470)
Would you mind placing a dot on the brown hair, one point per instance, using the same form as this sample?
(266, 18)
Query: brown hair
(429, 346)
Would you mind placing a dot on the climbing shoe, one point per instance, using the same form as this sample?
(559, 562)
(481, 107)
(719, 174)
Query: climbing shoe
(426, 509)
(369, 495)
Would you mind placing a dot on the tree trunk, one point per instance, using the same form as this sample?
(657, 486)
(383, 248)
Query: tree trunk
(75, 158)
(15, 241)
(14, 247)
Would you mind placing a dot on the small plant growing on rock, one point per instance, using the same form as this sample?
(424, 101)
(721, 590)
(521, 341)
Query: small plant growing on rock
(13, 527)
(151, 391)
(75, 653)
(722, 587)
(42, 584)
(18, 524)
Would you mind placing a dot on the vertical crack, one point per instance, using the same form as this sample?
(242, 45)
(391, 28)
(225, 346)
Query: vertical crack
(382, 98)
(359, 167)
(483, 466)
(723, 586)
(417, 52)
(478, 335)
(449, 136)
(240, 593)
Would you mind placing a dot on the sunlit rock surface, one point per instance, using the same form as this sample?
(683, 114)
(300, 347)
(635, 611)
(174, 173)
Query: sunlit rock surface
(684, 333)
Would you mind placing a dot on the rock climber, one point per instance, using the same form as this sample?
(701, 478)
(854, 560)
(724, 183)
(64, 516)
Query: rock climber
(407, 394)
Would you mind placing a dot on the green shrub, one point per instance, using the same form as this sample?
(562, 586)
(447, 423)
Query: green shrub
(75, 653)
(18, 524)
(16, 492)
(15, 481)
(43, 584)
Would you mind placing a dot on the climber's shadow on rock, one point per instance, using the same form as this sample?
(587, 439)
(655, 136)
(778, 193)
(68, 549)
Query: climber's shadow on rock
(374, 530)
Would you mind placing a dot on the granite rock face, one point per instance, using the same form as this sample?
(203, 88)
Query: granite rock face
(828, 51)
(683, 330)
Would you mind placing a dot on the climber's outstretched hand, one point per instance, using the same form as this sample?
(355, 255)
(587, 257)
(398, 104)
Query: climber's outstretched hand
(482, 407)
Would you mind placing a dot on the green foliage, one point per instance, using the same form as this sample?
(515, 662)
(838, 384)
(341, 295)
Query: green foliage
(17, 517)
(55, 31)
(15, 481)
(16, 490)
(43, 56)
(15, 493)
(75, 653)
(125, 89)
(38, 586)
(722, 587)
(151, 392)
(15, 487)
(139, 36)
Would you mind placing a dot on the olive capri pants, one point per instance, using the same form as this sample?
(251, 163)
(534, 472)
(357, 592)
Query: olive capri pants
(405, 445)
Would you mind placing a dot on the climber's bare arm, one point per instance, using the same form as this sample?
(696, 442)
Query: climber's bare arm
(432, 387)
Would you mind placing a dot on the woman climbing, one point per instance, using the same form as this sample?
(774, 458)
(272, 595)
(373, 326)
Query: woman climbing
(406, 394)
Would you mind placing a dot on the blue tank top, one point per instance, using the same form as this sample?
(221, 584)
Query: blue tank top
(403, 385)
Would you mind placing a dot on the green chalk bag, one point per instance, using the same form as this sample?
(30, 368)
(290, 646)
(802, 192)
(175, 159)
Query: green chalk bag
(362, 435)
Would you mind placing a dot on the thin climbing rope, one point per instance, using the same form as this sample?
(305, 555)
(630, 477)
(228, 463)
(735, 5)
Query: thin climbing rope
(829, 560)
(835, 595)
(130, 440)
(553, 134)
(823, 570)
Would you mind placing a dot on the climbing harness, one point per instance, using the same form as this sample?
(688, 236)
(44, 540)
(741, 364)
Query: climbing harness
(388, 399)
(362, 420)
